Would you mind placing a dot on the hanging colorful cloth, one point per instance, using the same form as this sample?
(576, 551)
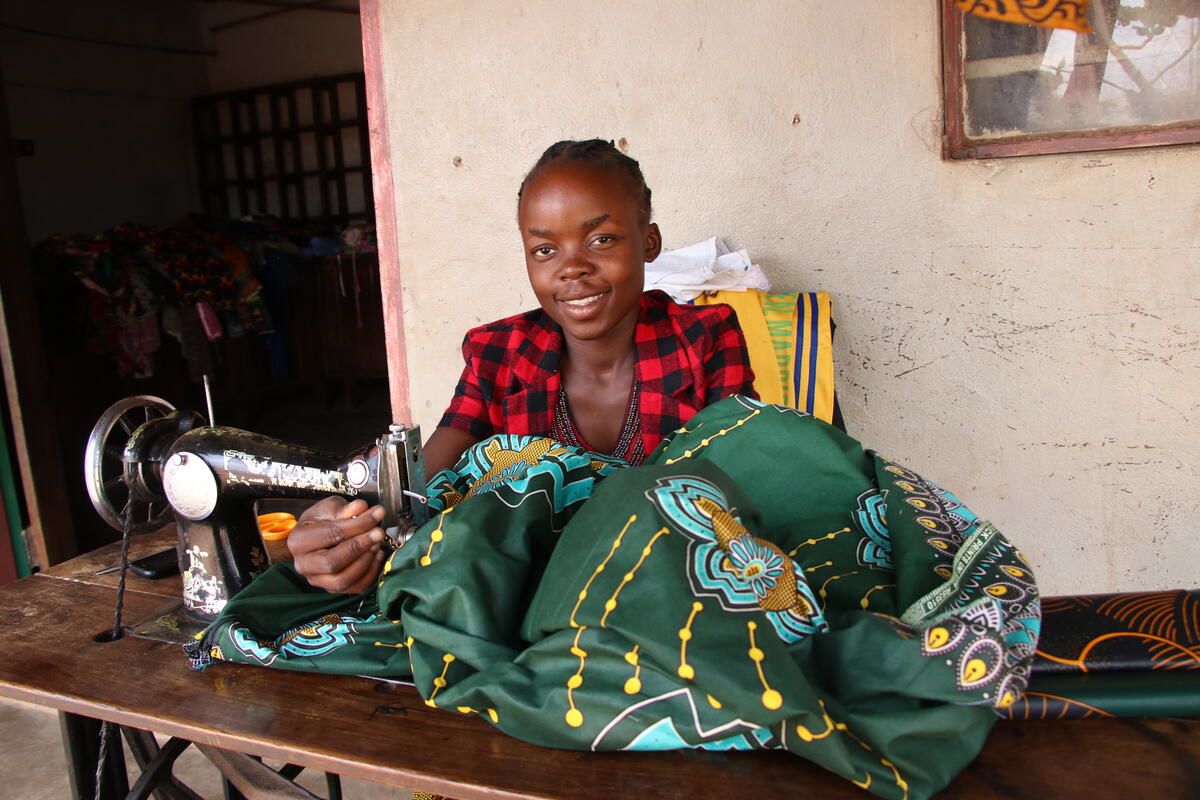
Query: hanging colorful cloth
(1068, 14)
(356, 239)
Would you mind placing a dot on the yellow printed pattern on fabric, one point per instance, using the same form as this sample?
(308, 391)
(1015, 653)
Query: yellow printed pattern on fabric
(1068, 14)
(779, 314)
(789, 338)
(768, 322)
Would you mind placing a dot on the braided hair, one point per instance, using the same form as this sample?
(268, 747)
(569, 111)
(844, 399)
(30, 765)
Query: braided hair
(596, 152)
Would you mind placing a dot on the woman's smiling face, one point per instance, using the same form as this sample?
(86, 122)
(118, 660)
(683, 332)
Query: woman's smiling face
(586, 244)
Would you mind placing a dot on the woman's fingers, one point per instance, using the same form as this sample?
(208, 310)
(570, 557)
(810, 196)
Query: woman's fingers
(355, 577)
(354, 508)
(332, 560)
(326, 508)
(371, 575)
(312, 535)
(336, 545)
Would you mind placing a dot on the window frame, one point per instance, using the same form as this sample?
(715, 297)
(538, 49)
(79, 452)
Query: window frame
(957, 145)
(247, 190)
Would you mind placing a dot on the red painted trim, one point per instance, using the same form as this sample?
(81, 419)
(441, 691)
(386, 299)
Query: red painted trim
(1083, 142)
(385, 211)
(952, 75)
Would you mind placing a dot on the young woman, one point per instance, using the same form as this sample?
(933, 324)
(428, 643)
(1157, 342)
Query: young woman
(600, 364)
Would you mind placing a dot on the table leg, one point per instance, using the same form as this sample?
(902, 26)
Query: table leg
(230, 791)
(81, 741)
(156, 764)
(252, 778)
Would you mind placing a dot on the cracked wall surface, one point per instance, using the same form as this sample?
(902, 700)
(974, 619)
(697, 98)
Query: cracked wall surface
(1024, 331)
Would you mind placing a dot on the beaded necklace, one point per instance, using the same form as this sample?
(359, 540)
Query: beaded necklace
(629, 443)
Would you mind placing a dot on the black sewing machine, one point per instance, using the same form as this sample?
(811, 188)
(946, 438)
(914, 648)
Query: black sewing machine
(145, 461)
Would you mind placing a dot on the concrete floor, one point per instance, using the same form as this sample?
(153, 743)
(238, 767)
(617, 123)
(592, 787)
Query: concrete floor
(33, 766)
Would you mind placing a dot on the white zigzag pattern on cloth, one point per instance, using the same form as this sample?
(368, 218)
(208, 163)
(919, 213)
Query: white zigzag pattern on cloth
(695, 716)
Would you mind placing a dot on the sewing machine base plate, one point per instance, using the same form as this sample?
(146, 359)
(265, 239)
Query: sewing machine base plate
(175, 627)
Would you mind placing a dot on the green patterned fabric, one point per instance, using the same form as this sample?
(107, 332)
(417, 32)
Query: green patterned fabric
(762, 582)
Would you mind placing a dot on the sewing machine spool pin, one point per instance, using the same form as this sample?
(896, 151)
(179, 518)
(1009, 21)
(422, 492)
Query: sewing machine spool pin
(212, 478)
(208, 401)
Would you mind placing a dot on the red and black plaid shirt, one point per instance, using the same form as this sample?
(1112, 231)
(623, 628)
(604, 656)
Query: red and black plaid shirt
(687, 358)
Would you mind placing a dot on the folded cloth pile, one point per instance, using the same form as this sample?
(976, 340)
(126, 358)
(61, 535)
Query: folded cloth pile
(707, 266)
(761, 583)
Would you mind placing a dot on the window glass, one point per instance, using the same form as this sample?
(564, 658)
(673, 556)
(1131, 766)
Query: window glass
(1139, 67)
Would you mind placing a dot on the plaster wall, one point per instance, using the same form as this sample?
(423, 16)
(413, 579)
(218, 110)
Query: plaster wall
(1025, 331)
(110, 125)
(279, 48)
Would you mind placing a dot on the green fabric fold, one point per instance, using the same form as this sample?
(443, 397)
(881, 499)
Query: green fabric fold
(763, 582)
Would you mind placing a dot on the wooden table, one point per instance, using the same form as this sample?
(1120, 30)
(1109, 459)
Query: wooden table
(383, 732)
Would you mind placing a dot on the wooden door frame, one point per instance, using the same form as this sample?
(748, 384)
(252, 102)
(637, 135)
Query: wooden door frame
(371, 12)
(50, 537)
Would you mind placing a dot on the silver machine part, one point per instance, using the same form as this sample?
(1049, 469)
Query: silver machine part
(400, 534)
(190, 485)
(358, 473)
(402, 469)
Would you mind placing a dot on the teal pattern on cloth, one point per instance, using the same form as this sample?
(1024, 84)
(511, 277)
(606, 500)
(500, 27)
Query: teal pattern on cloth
(761, 583)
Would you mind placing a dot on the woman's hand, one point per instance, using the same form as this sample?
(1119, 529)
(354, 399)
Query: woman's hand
(336, 545)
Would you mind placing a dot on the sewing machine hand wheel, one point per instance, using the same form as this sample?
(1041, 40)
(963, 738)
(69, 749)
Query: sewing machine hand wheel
(117, 481)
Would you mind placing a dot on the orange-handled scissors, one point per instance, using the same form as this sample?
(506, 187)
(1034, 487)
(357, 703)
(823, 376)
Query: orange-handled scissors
(276, 525)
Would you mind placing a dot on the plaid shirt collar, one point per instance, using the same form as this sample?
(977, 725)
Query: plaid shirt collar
(536, 364)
